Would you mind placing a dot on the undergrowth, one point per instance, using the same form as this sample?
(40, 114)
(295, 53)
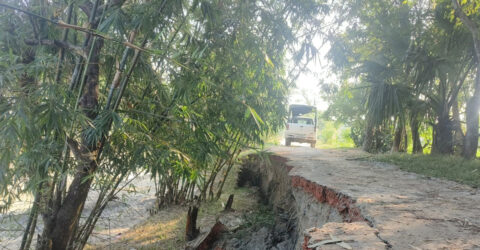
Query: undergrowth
(166, 230)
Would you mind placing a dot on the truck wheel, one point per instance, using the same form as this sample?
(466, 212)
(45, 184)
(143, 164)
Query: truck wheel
(312, 145)
(288, 142)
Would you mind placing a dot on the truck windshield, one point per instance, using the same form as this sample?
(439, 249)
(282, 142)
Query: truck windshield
(306, 121)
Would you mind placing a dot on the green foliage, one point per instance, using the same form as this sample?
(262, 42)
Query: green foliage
(451, 168)
(398, 63)
(346, 108)
(263, 216)
(334, 134)
(209, 83)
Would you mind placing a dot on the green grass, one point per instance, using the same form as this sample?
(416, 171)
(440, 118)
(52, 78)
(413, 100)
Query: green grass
(452, 168)
(261, 216)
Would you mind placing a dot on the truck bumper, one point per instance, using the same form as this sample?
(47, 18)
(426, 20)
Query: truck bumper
(300, 139)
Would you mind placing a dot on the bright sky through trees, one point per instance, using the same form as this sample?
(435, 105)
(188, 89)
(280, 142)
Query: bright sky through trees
(306, 90)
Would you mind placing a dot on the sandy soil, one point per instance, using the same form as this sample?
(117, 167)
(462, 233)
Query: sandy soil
(120, 215)
(408, 210)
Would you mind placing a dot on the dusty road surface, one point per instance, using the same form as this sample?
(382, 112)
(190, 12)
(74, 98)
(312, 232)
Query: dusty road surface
(409, 211)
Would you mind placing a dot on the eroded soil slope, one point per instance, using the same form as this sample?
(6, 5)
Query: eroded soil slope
(408, 210)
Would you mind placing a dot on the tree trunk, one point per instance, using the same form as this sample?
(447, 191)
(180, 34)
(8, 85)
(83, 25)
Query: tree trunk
(229, 204)
(404, 145)
(397, 139)
(443, 141)
(415, 127)
(470, 144)
(60, 224)
(368, 140)
(65, 220)
(458, 136)
(191, 229)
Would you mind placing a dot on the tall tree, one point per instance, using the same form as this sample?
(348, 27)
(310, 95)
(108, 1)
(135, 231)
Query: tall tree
(414, 60)
(470, 145)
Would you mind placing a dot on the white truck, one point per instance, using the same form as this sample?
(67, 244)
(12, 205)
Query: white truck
(301, 125)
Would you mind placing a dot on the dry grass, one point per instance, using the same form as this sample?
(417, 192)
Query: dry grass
(166, 229)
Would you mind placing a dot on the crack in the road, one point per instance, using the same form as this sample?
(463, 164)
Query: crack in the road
(387, 244)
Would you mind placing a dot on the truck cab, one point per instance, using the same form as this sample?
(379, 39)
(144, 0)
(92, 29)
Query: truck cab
(301, 125)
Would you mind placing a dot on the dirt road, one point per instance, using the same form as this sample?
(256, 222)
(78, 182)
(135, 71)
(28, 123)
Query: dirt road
(408, 210)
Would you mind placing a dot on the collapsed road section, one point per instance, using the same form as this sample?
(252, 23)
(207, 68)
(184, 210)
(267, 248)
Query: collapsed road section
(324, 218)
(339, 203)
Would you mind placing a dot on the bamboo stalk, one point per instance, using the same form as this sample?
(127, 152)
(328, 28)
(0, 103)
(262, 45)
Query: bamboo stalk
(116, 79)
(32, 231)
(31, 219)
(234, 154)
(128, 75)
(61, 53)
(98, 211)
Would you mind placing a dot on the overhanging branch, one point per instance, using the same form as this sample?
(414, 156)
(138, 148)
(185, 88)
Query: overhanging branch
(75, 27)
(465, 19)
(77, 152)
(60, 44)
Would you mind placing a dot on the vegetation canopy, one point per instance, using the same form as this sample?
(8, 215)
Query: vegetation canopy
(95, 91)
(408, 75)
